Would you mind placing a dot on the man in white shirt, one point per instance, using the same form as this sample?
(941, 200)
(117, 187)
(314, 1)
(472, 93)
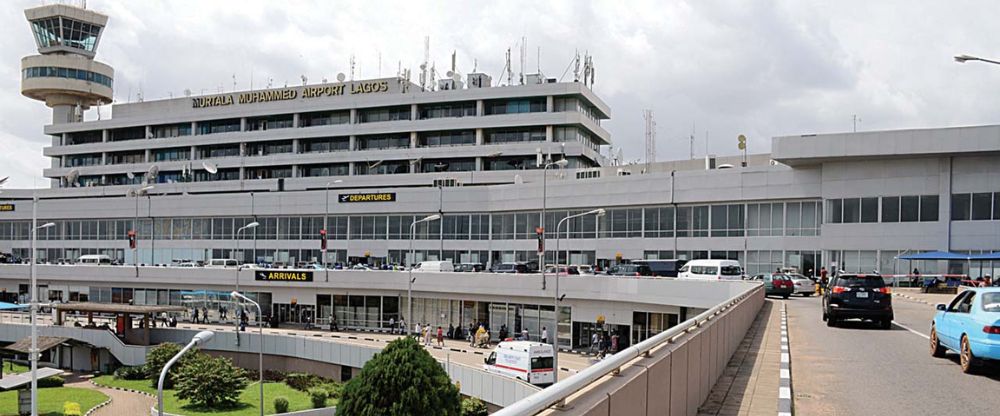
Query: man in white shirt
(545, 335)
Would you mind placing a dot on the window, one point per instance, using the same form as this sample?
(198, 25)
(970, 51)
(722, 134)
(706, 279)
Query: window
(324, 118)
(372, 115)
(929, 206)
(271, 122)
(171, 130)
(218, 126)
(334, 169)
(852, 210)
(515, 135)
(961, 207)
(383, 168)
(836, 211)
(448, 165)
(530, 105)
(659, 222)
(447, 138)
(727, 220)
(890, 209)
(72, 73)
(383, 142)
(325, 144)
(982, 206)
(869, 209)
(462, 109)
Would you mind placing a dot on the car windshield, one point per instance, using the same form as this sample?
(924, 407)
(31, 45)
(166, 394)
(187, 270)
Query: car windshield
(538, 363)
(861, 281)
(991, 302)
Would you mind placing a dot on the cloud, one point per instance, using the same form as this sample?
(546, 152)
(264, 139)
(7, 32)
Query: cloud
(762, 69)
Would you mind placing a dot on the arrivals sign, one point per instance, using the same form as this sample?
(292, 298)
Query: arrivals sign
(282, 276)
(6, 207)
(368, 197)
(285, 94)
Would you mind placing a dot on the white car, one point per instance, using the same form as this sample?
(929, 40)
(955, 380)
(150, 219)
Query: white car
(802, 285)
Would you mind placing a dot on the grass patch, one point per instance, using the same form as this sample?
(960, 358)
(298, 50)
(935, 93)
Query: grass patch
(10, 367)
(50, 400)
(247, 406)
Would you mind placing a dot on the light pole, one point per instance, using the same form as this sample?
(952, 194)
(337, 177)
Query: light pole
(260, 326)
(239, 266)
(409, 288)
(135, 225)
(555, 300)
(963, 58)
(541, 250)
(198, 339)
(33, 353)
(326, 213)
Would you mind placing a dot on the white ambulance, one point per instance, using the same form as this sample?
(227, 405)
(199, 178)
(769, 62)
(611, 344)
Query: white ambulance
(523, 360)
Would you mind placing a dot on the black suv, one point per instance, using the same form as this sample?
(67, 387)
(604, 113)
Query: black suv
(858, 296)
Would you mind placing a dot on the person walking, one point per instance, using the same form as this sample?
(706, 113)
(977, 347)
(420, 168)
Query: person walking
(823, 280)
(427, 335)
(524, 334)
(594, 339)
(545, 335)
(472, 335)
(416, 331)
(194, 315)
(440, 336)
(392, 325)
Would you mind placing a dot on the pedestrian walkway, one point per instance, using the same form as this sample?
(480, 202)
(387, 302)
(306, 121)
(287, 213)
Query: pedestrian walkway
(749, 385)
(122, 402)
(915, 295)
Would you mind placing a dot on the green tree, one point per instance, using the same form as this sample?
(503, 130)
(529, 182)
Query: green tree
(211, 382)
(158, 357)
(401, 380)
(472, 406)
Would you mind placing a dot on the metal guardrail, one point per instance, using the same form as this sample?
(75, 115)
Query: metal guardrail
(559, 392)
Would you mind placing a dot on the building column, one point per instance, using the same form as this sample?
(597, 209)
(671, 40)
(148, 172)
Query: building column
(479, 163)
(243, 124)
(62, 140)
(295, 120)
(350, 169)
(194, 128)
(104, 135)
(413, 140)
(354, 116)
(480, 107)
(548, 134)
(295, 146)
(414, 114)
(352, 142)
(295, 171)
(191, 155)
(104, 158)
(479, 137)
(148, 154)
(149, 132)
(550, 103)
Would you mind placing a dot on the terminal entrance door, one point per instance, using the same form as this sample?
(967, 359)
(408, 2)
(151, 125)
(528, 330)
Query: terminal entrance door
(296, 313)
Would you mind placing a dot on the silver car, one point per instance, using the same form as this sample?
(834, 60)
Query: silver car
(802, 285)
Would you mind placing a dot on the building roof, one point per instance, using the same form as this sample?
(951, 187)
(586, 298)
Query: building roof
(12, 381)
(116, 308)
(44, 343)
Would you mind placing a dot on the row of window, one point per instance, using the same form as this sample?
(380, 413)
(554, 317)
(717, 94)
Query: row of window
(71, 73)
(63, 31)
(652, 222)
(912, 208)
(976, 206)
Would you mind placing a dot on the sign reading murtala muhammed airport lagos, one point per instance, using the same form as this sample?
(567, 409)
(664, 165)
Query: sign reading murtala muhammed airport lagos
(282, 276)
(368, 197)
(6, 207)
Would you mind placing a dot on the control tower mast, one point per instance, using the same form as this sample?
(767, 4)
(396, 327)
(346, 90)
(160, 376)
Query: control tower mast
(65, 74)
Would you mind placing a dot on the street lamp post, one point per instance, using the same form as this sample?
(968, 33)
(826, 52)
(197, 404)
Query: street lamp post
(326, 213)
(198, 339)
(33, 353)
(239, 266)
(965, 58)
(409, 288)
(260, 363)
(135, 225)
(555, 300)
(541, 250)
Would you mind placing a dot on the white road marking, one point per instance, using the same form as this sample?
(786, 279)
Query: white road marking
(911, 330)
(785, 373)
(784, 357)
(784, 393)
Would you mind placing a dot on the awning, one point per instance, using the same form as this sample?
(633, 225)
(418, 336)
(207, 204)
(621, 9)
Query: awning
(44, 343)
(938, 255)
(17, 380)
(116, 308)
(6, 306)
(987, 256)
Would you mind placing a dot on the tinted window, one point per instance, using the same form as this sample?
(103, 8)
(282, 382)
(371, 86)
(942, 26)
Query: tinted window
(731, 270)
(991, 302)
(860, 281)
(541, 363)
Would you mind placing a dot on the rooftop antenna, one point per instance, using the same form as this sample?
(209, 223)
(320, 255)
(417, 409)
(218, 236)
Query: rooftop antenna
(380, 64)
(475, 65)
(706, 143)
(647, 115)
(433, 73)
(352, 67)
(524, 45)
(691, 157)
(510, 71)
(856, 120)
(234, 82)
(423, 66)
(304, 79)
(453, 54)
(538, 60)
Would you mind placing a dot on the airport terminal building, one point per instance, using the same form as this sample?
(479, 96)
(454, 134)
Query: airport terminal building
(360, 161)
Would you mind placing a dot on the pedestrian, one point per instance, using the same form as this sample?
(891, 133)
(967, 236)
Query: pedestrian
(194, 315)
(614, 343)
(204, 313)
(823, 279)
(524, 334)
(416, 331)
(594, 338)
(915, 277)
(440, 337)
(392, 325)
(503, 332)
(401, 325)
(451, 331)
(472, 335)
(427, 335)
(545, 335)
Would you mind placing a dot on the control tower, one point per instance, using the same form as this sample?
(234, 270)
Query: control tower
(65, 74)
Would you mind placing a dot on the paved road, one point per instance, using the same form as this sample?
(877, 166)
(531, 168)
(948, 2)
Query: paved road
(856, 369)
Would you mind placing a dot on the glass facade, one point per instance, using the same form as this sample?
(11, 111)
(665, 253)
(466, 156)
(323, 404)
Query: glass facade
(63, 31)
(71, 73)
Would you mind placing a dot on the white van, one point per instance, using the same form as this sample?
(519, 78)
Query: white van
(523, 360)
(711, 270)
(95, 260)
(435, 266)
(221, 263)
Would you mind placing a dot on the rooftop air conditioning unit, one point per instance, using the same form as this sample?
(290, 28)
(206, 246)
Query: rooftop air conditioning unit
(479, 80)
(534, 79)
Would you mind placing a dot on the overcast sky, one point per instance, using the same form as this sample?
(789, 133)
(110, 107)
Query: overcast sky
(759, 68)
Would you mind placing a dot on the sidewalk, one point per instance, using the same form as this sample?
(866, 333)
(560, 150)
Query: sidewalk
(927, 298)
(749, 385)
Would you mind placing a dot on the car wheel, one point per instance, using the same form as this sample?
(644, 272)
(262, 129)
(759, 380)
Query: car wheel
(937, 350)
(785, 296)
(831, 322)
(885, 324)
(825, 318)
(968, 361)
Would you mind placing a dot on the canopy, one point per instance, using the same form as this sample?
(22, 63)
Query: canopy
(987, 256)
(939, 255)
(5, 306)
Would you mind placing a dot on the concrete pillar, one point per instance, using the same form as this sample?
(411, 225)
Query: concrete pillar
(479, 163)
(62, 140)
(413, 140)
(350, 169)
(295, 146)
(148, 155)
(479, 137)
(414, 113)
(480, 108)
(295, 120)
(550, 103)
(354, 116)
(194, 128)
(104, 135)
(548, 134)
(295, 171)
(352, 142)
(104, 158)
(149, 132)
(192, 153)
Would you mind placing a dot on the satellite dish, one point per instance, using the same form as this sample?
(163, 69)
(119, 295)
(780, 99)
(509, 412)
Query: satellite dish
(130, 175)
(72, 176)
(457, 77)
(153, 173)
(341, 77)
(450, 74)
(211, 168)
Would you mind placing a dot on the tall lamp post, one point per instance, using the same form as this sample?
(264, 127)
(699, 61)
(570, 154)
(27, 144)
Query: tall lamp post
(135, 224)
(260, 363)
(555, 300)
(409, 288)
(326, 213)
(963, 58)
(239, 266)
(541, 250)
(33, 353)
(198, 339)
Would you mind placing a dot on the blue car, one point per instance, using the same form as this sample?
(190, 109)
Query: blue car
(970, 325)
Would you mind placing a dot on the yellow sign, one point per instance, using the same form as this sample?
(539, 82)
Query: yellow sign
(266, 96)
(600, 320)
(370, 197)
(7, 207)
(283, 276)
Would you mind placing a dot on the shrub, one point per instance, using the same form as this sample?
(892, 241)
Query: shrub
(281, 405)
(130, 373)
(333, 390)
(158, 357)
(54, 381)
(210, 382)
(302, 381)
(472, 406)
(318, 397)
(402, 379)
(71, 409)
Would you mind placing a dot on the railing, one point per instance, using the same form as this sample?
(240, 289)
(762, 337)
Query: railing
(559, 392)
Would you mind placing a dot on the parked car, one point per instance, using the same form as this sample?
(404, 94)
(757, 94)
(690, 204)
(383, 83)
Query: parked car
(707, 269)
(434, 266)
(776, 284)
(803, 285)
(563, 270)
(511, 268)
(469, 267)
(585, 269)
(663, 268)
(630, 270)
(858, 296)
(970, 325)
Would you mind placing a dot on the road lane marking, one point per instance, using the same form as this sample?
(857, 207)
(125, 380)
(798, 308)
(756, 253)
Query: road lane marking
(784, 369)
(911, 330)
